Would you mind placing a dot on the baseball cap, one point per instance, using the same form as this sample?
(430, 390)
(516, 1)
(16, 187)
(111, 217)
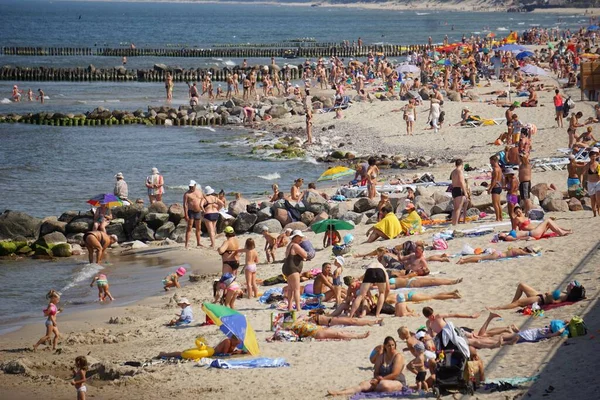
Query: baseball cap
(192, 183)
(228, 229)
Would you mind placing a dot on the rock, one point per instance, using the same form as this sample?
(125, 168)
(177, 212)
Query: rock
(164, 231)
(142, 233)
(264, 214)
(281, 215)
(14, 223)
(441, 197)
(426, 191)
(553, 195)
(81, 225)
(453, 96)
(364, 204)
(51, 239)
(540, 191)
(477, 190)
(473, 212)
(176, 213)
(158, 207)
(161, 67)
(296, 225)
(424, 202)
(118, 230)
(132, 215)
(244, 222)
(314, 202)
(273, 225)
(537, 214)
(156, 220)
(136, 244)
(277, 111)
(372, 220)
(237, 206)
(25, 250)
(307, 217)
(338, 155)
(481, 202)
(320, 217)
(7, 248)
(398, 201)
(353, 217)
(443, 208)
(68, 216)
(76, 249)
(252, 208)
(178, 234)
(339, 209)
(575, 204)
(75, 238)
(550, 204)
(62, 250)
(50, 226)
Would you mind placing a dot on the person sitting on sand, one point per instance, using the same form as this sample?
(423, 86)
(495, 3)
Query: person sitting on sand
(331, 237)
(275, 195)
(411, 222)
(387, 374)
(295, 192)
(324, 284)
(229, 346)
(388, 228)
(465, 116)
(586, 139)
(102, 217)
(186, 316)
(531, 100)
(497, 254)
(383, 201)
(305, 329)
(402, 309)
(574, 292)
(98, 242)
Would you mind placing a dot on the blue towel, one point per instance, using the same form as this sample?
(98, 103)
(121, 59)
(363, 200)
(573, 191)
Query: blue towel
(405, 392)
(263, 299)
(261, 362)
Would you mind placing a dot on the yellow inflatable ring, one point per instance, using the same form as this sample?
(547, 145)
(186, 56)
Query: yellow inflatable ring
(201, 351)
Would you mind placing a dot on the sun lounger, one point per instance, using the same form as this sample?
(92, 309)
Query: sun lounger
(485, 122)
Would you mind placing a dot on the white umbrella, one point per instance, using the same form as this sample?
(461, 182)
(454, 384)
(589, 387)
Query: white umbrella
(533, 70)
(407, 68)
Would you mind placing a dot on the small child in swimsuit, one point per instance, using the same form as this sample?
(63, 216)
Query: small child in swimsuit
(331, 237)
(102, 284)
(337, 278)
(419, 365)
(172, 280)
(402, 309)
(79, 376)
(231, 288)
(250, 267)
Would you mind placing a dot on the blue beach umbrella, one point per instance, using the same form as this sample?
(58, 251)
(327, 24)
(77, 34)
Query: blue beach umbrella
(524, 54)
(512, 47)
(593, 28)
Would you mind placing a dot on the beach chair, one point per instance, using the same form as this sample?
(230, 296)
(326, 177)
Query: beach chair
(485, 122)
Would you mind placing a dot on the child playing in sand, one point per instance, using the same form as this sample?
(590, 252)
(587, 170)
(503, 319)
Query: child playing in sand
(172, 280)
(231, 288)
(270, 241)
(186, 316)
(250, 267)
(402, 309)
(419, 365)
(102, 283)
(79, 377)
(51, 327)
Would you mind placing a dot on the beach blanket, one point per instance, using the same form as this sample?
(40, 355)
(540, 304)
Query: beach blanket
(552, 306)
(411, 224)
(405, 392)
(390, 225)
(276, 291)
(261, 362)
(517, 380)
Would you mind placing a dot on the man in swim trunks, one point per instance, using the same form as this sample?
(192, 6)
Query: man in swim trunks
(495, 187)
(97, 241)
(192, 209)
(416, 262)
(525, 182)
(325, 278)
(459, 192)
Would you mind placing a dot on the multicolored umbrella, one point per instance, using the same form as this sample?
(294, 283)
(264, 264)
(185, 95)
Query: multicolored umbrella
(232, 323)
(444, 61)
(336, 173)
(106, 199)
(331, 224)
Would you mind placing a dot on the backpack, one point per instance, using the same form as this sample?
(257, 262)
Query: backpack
(577, 327)
(408, 247)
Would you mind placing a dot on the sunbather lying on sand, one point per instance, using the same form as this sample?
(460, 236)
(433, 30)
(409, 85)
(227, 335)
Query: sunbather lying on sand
(527, 233)
(511, 335)
(305, 329)
(497, 254)
(574, 292)
(520, 222)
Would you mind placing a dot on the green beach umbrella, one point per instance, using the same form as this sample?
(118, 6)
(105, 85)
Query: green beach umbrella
(333, 224)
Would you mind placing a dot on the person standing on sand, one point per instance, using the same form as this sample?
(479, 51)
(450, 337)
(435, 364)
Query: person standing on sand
(227, 251)
(51, 326)
(192, 211)
(121, 190)
(155, 184)
(169, 86)
(459, 192)
(410, 116)
(434, 114)
(495, 188)
(573, 125)
(525, 183)
(309, 118)
(512, 189)
(509, 124)
(558, 107)
(592, 171)
(293, 263)
(212, 205)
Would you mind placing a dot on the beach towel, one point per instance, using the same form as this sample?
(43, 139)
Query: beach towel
(405, 392)
(517, 380)
(411, 224)
(390, 225)
(552, 306)
(276, 291)
(261, 362)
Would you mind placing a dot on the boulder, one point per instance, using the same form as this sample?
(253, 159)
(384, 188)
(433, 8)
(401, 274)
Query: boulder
(550, 204)
(142, 233)
(353, 217)
(296, 226)
(473, 212)
(398, 201)
(68, 216)
(50, 226)
(337, 210)
(51, 239)
(62, 250)
(178, 233)
(132, 215)
(176, 213)
(25, 250)
(424, 202)
(158, 207)
(273, 225)
(307, 217)
(118, 230)
(320, 217)
(277, 111)
(75, 238)
(7, 248)
(252, 208)
(264, 214)
(237, 206)
(441, 197)
(481, 202)
(244, 222)
(14, 224)
(164, 231)
(537, 214)
(76, 249)
(364, 204)
(575, 204)
(314, 202)
(156, 220)
(443, 208)
(553, 195)
(80, 225)
(426, 191)
(281, 215)
(372, 220)
(539, 190)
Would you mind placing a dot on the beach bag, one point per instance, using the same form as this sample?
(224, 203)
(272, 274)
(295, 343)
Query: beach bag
(440, 244)
(577, 327)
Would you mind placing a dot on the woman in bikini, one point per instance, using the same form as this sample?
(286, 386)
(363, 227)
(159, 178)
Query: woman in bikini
(533, 296)
(410, 116)
(295, 192)
(227, 251)
(211, 205)
(372, 173)
(102, 217)
(522, 228)
(317, 317)
(592, 171)
(250, 267)
(496, 255)
(275, 195)
(573, 125)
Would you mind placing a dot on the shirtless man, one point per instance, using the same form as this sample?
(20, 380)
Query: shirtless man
(41, 95)
(192, 210)
(270, 244)
(98, 242)
(459, 192)
(495, 187)
(235, 81)
(525, 183)
(416, 262)
(212, 205)
(324, 283)
(295, 192)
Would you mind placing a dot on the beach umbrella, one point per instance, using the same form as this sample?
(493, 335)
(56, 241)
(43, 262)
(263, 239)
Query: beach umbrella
(444, 61)
(593, 28)
(525, 54)
(232, 323)
(491, 35)
(107, 199)
(337, 224)
(533, 70)
(407, 68)
(512, 47)
(336, 173)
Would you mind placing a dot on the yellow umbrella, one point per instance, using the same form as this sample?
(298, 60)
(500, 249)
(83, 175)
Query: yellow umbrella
(336, 173)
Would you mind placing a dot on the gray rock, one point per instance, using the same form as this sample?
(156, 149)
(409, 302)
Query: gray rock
(75, 238)
(282, 216)
(296, 225)
(244, 222)
(553, 195)
(237, 206)
(264, 214)
(364, 204)
(353, 217)
(156, 220)
(307, 217)
(50, 226)
(68, 216)
(81, 225)
(164, 231)
(272, 224)
(559, 205)
(158, 207)
(314, 203)
(51, 239)
(118, 230)
(277, 111)
(441, 197)
(540, 190)
(176, 213)
(142, 233)
(398, 201)
(338, 209)
(424, 202)
(372, 220)
(320, 217)
(14, 224)
(481, 202)
(443, 208)
(178, 234)
(426, 191)
(473, 212)
(575, 204)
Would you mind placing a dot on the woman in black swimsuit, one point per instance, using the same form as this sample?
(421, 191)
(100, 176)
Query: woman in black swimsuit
(227, 251)
(292, 268)
(374, 275)
(212, 205)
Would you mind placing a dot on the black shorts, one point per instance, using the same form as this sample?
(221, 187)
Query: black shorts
(497, 190)
(374, 275)
(211, 217)
(421, 375)
(457, 192)
(525, 190)
(196, 216)
(233, 264)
